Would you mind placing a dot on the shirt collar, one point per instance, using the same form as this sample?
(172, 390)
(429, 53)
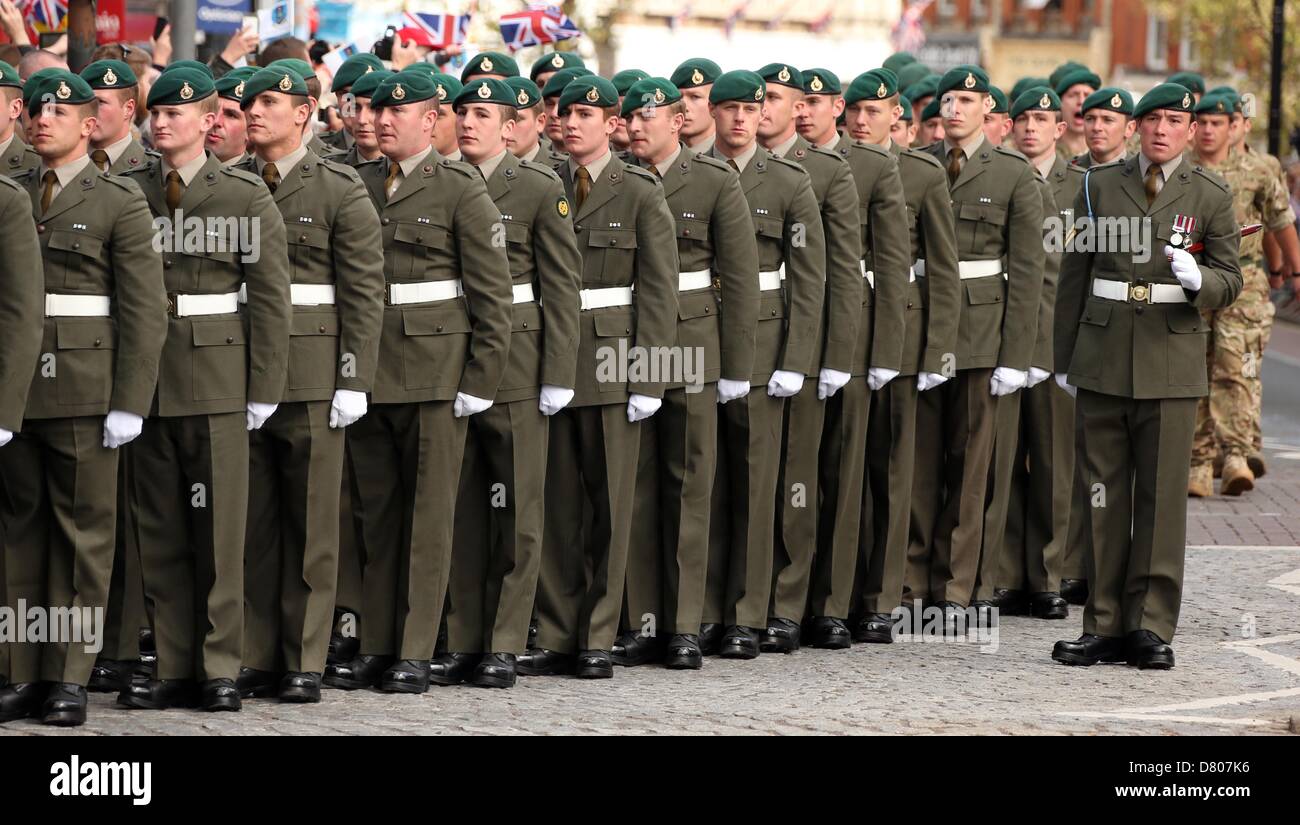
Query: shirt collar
(413, 162)
(114, 151)
(4, 147)
(594, 168)
(783, 149)
(532, 153)
(704, 145)
(832, 144)
(189, 170)
(237, 159)
(970, 148)
(1045, 166)
(742, 160)
(1168, 167)
(456, 155)
(489, 167)
(284, 164)
(68, 172)
(669, 161)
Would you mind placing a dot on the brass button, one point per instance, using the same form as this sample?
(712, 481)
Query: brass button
(385, 221)
(99, 341)
(439, 327)
(909, 305)
(230, 339)
(627, 331)
(686, 232)
(613, 241)
(706, 310)
(525, 325)
(76, 245)
(321, 328)
(167, 262)
(578, 228)
(302, 239)
(40, 227)
(773, 313)
(419, 239)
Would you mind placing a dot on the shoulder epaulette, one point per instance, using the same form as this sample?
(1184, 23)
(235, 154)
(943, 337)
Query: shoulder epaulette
(241, 175)
(1212, 177)
(1011, 153)
(917, 154)
(641, 173)
(708, 160)
(539, 168)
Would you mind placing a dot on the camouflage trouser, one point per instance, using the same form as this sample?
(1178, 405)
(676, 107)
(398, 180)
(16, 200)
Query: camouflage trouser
(1228, 420)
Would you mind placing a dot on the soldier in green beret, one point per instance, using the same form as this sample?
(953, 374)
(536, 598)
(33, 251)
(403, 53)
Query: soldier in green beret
(1192, 81)
(998, 210)
(554, 145)
(442, 353)
(912, 74)
(228, 139)
(1062, 70)
(353, 69)
(497, 542)
(792, 273)
(1026, 83)
(898, 60)
(1073, 88)
(447, 89)
(922, 93)
(718, 256)
(1137, 412)
(931, 125)
(60, 473)
(550, 63)
(903, 130)
(628, 299)
(831, 358)
(490, 64)
(929, 336)
(304, 70)
(1028, 517)
(528, 140)
(16, 156)
(112, 146)
(359, 118)
(192, 65)
(296, 461)
(221, 375)
(694, 78)
(1108, 126)
(622, 82)
(997, 123)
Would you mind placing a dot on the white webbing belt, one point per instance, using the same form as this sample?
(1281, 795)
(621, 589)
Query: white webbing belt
(611, 296)
(523, 294)
(424, 292)
(686, 281)
(771, 279)
(82, 306)
(1142, 293)
(187, 305)
(871, 276)
(969, 269)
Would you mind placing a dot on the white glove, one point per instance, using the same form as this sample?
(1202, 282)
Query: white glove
(1006, 380)
(830, 381)
(348, 406)
(1037, 376)
(784, 384)
(553, 399)
(121, 428)
(878, 377)
(5, 436)
(1185, 267)
(466, 404)
(640, 407)
(258, 413)
(929, 380)
(729, 390)
(1063, 381)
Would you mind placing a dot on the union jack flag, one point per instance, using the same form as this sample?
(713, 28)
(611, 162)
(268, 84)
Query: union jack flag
(443, 29)
(908, 34)
(539, 24)
(47, 15)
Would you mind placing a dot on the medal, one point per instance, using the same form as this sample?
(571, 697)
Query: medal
(1183, 227)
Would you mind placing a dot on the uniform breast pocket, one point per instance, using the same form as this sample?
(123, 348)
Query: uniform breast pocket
(309, 248)
(691, 230)
(435, 345)
(220, 359)
(770, 234)
(219, 270)
(422, 247)
(1090, 345)
(84, 362)
(1187, 343)
(313, 350)
(619, 256)
(980, 228)
(75, 256)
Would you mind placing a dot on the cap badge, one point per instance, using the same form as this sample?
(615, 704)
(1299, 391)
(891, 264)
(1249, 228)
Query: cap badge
(1116, 101)
(558, 61)
(1044, 102)
(485, 64)
(969, 82)
(816, 85)
(784, 74)
(758, 93)
(286, 83)
(63, 92)
(1187, 100)
(484, 92)
(593, 95)
(881, 91)
(659, 96)
(400, 94)
(187, 91)
(697, 77)
(239, 90)
(110, 78)
(522, 98)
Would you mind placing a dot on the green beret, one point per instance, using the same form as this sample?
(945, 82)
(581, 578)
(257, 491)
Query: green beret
(898, 60)
(741, 85)
(353, 68)
(189, 64)
(485, 90)
(525, 91)
(588, 90)
(9, 76)
(402, 88)
(178, 87)
(931, 109)
(1000, 105)
(1109, 97)
(913, 73)
(927, 86)
(1036, 98)
(624, 79)
(279, 79)
(1026, 83)
(1079, 76)
(556, 82)
(823, 82)
(365, 85)
(653, 91)
(966, 78)
(56, 86)
(445, 86)
(296, 65)
(1219, 104)
(231, 84)
(1217, 89)
(783, 74)
(553, 62)
(1062, 70)
(872, 85)
(1165, 96)
(109, 74)
(697, 71)
(490, 63)
(1190, 80)
(907, 108)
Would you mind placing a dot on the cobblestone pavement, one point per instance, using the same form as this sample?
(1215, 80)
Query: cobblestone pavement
(1238, 654)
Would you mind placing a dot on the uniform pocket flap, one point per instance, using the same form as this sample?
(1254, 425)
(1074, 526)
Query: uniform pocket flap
(435, 321)
(612, 239)
(613, 324)
(217, 333)
(516, 233)
(771, 307)
(694, 230)
(986, 212)
(315, 323)
(1185, 319)
(77, 242)
(527, 318)
(769, 228)
(697, 305)
(97, 333)
(1096, 313)
(984, 291)
(317, 237)
(421, 234)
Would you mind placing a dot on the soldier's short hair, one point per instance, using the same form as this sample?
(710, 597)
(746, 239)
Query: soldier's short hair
(210, 105)
(538, 110)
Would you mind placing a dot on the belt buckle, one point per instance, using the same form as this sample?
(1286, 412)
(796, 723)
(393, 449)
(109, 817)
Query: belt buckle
(388, 295)
(171, 303)
(1140, 293)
